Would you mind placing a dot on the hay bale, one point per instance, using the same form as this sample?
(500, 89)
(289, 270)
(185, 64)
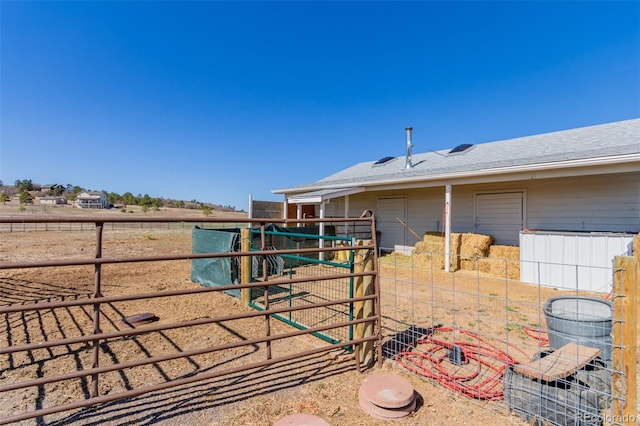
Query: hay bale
(432, 244)
(470, 248)
(469, 264)
(428, 252)
(504, 252)
(500, 268)
(503, 261)
(475, 245)
(433, 237)
(428, 260)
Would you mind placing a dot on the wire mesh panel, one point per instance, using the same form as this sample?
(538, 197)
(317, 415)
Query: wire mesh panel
(313, 267)
(538, 352)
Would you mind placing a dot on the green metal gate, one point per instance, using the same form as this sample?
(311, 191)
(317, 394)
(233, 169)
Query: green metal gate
(309, 265)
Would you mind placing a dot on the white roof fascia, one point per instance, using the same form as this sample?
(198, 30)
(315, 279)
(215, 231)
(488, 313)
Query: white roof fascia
(315, 197)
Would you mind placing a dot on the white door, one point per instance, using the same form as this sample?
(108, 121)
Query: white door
(392, 232)
(500, 215)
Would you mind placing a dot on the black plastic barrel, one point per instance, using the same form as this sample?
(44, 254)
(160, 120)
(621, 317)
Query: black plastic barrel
(586, 321)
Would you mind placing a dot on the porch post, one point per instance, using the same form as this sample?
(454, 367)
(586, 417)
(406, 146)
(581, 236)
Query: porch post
(447, 228)
(321, 245)
(346, 215)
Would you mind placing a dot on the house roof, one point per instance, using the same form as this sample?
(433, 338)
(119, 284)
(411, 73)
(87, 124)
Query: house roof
(89, 195)
(616, 144)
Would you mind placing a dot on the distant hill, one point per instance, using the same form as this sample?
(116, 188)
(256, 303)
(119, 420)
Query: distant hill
(12, 194)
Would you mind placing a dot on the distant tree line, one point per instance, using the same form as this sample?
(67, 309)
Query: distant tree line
(25, 189)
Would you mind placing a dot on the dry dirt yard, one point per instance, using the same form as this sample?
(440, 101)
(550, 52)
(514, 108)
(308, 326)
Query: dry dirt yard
(325, 385)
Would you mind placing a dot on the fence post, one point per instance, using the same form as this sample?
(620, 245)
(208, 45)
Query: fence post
(265, 278)
(245, 266)
(97, 292)
(363, 309)
(625, 314)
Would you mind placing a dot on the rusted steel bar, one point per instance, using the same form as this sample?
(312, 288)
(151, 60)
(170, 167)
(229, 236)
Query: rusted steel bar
(173, 383)
(181, 354)
(265, 278)
(376, 289)
(97, 300)
(97, 293)
(167, 219)
(154, 328)
(102, 261)
(184, 292)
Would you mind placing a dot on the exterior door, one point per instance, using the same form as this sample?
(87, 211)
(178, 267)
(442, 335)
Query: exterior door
(500, 215)
(392, 232)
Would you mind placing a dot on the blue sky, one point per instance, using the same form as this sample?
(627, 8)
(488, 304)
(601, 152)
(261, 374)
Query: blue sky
(215, 101)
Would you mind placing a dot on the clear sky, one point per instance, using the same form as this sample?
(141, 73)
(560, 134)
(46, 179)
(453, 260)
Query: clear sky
(215, 101)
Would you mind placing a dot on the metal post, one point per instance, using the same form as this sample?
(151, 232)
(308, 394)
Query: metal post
(97, 292)
(447, 228)
(265, 279)
(245, 265)
(321, 242)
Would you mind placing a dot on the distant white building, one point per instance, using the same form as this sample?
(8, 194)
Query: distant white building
(53, 200)
(92, 200)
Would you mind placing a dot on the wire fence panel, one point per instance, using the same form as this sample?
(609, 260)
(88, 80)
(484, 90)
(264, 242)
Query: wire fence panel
(542, 353)
(310, 266)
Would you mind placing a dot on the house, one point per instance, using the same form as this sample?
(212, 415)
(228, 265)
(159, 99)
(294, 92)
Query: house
(53, 200)
(579, 180)
(92, 200)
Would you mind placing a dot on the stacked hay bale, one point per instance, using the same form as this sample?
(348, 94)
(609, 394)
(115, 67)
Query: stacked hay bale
(429, 253)
(469, 252)
(503, 261)
(473, 247)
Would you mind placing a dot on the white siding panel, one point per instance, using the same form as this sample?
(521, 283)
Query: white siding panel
(571, 261)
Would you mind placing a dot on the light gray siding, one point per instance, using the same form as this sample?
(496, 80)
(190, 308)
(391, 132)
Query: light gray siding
(605, 203)
(601, 203)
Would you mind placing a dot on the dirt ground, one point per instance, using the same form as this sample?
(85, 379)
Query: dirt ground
(325, 385)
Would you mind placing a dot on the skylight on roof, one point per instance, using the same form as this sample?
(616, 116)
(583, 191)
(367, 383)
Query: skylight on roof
(383, 160)
(460, 148)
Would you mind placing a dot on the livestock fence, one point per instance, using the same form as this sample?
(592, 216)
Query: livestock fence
(549, 355)
(64, 339)
(559, 356)
(73, 225)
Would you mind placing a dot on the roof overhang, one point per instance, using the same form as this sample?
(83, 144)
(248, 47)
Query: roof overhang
(581, 167)
(316, 197)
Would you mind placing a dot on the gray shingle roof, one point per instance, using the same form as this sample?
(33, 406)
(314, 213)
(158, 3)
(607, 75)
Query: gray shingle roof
(600, 141)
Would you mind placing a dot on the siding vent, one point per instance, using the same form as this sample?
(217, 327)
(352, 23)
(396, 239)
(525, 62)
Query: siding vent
(460, 148)
(383, 160)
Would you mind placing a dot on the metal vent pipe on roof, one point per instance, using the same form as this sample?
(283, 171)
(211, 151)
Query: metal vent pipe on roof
(408, 164)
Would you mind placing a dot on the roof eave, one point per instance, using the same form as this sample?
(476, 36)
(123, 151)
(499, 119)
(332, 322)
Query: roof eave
(623, 163)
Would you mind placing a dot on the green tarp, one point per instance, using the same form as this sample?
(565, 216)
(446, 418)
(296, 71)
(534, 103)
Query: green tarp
(217, 271)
